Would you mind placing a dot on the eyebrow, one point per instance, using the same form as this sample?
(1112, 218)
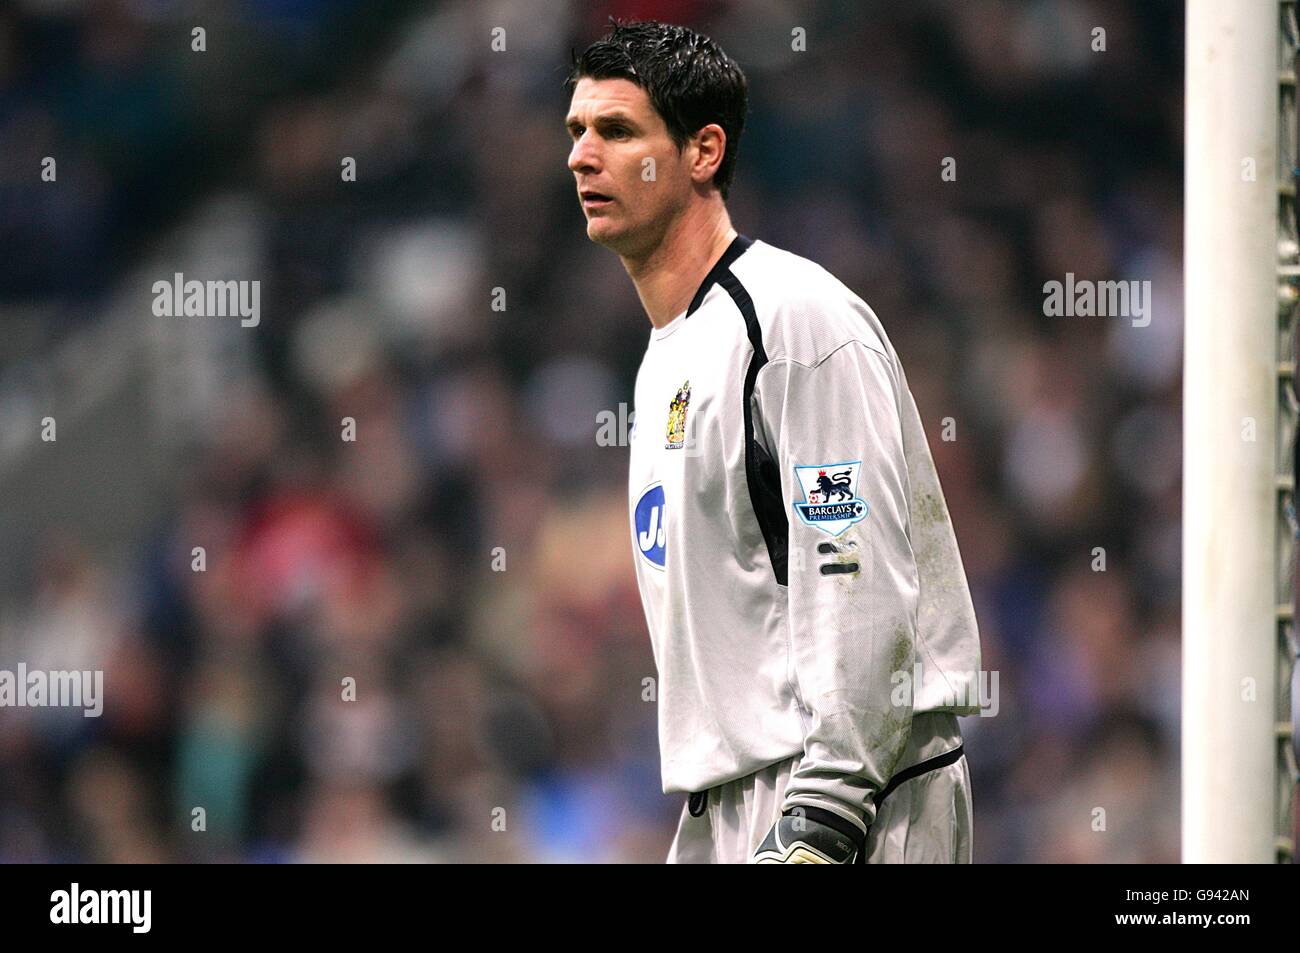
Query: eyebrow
(609, 119)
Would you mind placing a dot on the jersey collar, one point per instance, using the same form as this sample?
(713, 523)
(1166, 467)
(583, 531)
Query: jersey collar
(738, 247)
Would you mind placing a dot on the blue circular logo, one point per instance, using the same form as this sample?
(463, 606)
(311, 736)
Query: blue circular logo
(648, 525)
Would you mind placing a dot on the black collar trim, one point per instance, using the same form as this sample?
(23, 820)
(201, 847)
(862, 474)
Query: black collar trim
(739, 245)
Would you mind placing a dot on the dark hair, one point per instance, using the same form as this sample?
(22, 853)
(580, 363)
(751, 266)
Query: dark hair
(691, 82)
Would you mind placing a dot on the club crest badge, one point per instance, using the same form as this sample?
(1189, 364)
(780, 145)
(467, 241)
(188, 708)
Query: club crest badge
(831, 502)
(677, 417)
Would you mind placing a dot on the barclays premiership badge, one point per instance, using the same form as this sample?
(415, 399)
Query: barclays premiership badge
(831, 502)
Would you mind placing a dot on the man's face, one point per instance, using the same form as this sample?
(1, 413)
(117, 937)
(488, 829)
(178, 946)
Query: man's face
(630, 177)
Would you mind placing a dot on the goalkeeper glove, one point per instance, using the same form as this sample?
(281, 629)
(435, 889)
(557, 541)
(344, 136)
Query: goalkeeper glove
(811, 835)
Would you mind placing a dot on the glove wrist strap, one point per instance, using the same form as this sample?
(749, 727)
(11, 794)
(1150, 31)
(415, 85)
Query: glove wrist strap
(832, 820)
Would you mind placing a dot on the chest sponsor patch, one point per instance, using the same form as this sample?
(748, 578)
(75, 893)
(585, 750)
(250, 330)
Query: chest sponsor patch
(648, 525)
(831, 502)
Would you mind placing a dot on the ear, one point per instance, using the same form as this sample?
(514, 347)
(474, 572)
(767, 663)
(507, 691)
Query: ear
(710, 147)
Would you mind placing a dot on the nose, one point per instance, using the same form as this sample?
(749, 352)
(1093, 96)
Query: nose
(583, 157)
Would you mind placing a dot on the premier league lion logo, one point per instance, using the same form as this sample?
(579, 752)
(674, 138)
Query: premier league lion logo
(839, 487)
(831, 502)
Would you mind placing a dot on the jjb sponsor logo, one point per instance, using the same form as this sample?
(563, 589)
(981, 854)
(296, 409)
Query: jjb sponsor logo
(648, 525)
(831, 501)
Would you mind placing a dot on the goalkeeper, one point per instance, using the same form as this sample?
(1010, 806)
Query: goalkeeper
(810, 617)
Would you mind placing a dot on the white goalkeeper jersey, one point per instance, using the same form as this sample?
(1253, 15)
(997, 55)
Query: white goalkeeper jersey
(795, 558)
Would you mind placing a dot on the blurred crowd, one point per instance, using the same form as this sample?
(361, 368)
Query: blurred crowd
(426, 644)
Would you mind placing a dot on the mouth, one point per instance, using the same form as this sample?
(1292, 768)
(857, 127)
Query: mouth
(592, 200)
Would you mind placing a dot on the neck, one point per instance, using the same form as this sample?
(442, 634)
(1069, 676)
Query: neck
(668, 276)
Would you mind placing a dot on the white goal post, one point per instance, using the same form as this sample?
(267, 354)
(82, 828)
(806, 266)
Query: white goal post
(1238, 468)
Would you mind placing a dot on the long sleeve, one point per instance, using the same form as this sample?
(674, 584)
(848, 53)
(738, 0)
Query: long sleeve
(835, 435)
